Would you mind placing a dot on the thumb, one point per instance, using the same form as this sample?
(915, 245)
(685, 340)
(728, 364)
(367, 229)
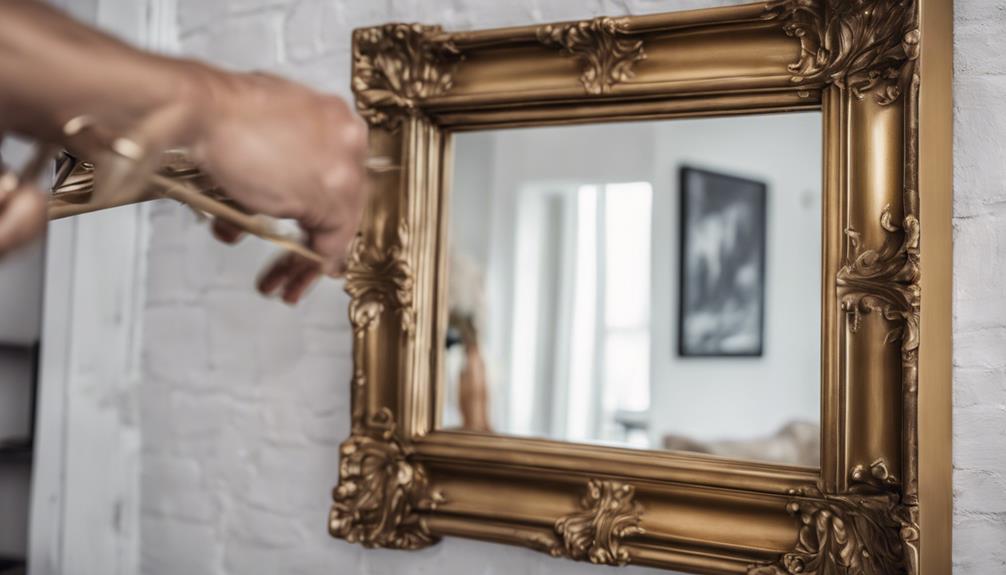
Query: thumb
(22, 217)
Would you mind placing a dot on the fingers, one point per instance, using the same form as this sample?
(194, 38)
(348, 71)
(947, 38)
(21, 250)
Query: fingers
(291, 276)
(22, 218)
(335, 245)
(299, 284)
(355, 137)
(275, 274)
(227, 232)
(283, 150)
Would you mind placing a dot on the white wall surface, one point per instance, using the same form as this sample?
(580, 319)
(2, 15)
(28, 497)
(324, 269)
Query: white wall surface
(979, 287)
(244, 401)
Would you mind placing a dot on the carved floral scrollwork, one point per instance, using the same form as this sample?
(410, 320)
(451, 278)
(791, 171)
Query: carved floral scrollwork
(886, 281)
(381, 491)
(610, 514)
(377, 278)
(877, 477)
(397, 65)
(849, 535)
(603, 48)
(858, 45)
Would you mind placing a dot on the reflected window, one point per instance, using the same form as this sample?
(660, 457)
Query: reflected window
(580, 328)
(626, 277)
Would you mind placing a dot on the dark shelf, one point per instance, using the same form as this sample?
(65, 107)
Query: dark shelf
(15, 451)
(6, 346)
(20, 450)
(12, 566)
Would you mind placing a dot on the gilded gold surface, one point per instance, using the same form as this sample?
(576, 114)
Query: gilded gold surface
(932, 397)
(381, 492)
(863, 513)
(609, 514)
(848, 534)
(395, 67)
(606, 52)
(877, 477)
(858, 45)
(377, 278)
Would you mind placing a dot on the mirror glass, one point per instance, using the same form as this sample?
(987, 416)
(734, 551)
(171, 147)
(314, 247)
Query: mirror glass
(651, 285)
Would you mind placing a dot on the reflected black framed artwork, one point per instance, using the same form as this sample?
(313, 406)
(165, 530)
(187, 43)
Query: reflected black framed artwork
(721, 308)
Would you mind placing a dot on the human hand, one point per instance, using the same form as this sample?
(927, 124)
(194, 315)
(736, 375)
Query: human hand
(283, 150)
(277, 148)
(274, 147)
(22, 204)
(290, 274)
(22, 212)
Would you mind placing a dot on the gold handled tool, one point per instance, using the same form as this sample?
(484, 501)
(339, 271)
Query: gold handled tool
(81, 187)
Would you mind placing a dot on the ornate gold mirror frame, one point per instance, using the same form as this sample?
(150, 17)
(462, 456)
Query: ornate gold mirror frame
(879, 70)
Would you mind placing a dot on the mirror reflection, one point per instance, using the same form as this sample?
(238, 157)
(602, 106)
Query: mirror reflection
(651, 285)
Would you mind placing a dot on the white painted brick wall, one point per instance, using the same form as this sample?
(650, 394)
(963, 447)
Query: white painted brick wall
(980, 287)
(245, 401)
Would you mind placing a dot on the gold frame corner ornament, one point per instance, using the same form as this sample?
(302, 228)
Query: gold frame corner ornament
(849, 535)
(860, 62)
(856, 45)
(396, 66)
(382, 492)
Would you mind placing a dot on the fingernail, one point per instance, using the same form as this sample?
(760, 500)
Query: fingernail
(128, 149)
(77, 125)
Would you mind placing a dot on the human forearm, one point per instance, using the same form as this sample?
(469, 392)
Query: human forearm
(53, 68)
(276, 147)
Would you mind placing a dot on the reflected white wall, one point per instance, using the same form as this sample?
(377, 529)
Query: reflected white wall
(702, 398)
(716, 398)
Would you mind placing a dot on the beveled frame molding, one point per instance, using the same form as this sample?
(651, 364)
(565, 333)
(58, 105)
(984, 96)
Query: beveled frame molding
(880, 503)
